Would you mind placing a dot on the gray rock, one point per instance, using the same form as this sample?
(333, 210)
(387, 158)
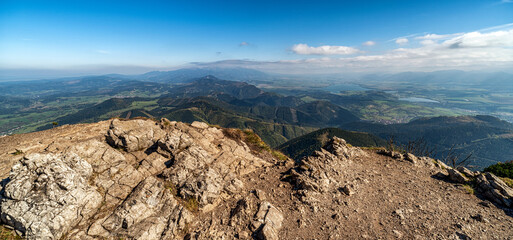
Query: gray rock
(200, 125)
(410, 157)
(145, 213)
(495, 189)
(442, 165)
(321, 172)
(134, 135)
(348, 190)
(397, 155)
(48, 194)
(268, 233)
(91, 189)
(456, 176)
(466, 171)
(203, 170)
(268, 221)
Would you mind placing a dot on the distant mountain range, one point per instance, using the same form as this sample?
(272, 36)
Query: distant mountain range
(186, 74)
(274, 117)
(277, 118)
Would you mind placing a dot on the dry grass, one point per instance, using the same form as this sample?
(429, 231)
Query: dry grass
(192, 204)
(18, 152)
(254, 142)
(247, 136)
(508, 181)
(233, 133)
(215, 126)
(8, 234)
(469, 189)
(279, 155)
(171, 187)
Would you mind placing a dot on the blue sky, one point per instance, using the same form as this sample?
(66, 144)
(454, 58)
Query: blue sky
(280, 36)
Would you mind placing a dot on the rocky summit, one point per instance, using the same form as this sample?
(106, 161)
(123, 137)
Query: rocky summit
(145, 179)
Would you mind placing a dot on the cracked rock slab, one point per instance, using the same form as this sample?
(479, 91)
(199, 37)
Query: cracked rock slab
(48, 194)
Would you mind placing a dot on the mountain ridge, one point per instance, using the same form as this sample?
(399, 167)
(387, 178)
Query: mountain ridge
(147, 179)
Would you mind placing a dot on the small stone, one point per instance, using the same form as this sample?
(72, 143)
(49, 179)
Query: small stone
(410, 157)
(400, 213)
(397, 155)
(485, 204)
(271, 218)
(260, 194)
(348, 190)
(243, 235)
(398, 234)
(480, 218)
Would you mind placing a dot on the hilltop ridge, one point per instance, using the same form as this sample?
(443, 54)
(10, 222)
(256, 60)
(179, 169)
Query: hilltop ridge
(146, 179)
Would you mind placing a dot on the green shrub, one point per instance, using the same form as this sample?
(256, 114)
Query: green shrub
(501, 169)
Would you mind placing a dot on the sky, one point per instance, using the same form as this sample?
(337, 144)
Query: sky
(277, 36)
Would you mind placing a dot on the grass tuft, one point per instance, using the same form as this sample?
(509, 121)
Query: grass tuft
(192, 204)
(18, 152)
(171, 187)
(253, 139)
(470, 190)
(508, 181)
(279, 155)
(8, 234)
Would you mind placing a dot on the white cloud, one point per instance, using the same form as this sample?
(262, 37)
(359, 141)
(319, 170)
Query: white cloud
(431, 36)
(427, 42)
(242, 44)
(437, 36)
(482, 40)
(484, 49)
(369, 43)
(304, 49)
(402, 41)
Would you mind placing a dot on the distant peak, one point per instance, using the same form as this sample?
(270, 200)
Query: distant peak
(209, 77)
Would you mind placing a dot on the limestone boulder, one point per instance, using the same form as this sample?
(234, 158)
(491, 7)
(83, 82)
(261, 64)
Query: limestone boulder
(48, 194)
(268, 222)
(134, 135)
(495, 189)
(456, 176)
(321, 171)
